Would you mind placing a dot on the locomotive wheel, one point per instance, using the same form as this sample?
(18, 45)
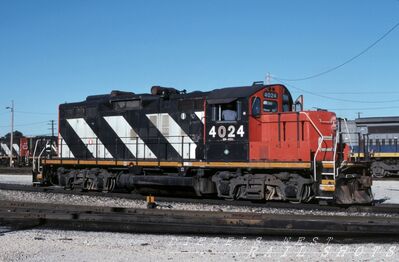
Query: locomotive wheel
(378, 172)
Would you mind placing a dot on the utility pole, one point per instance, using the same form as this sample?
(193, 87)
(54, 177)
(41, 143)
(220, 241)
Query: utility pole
(52, 123)
(12, 130)
(358, 114)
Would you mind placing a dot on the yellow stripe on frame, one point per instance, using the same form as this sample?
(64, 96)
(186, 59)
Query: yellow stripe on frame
(259, 165)
(375, 154)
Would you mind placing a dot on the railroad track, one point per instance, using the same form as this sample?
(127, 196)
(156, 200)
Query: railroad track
(191, 222)
(376, 208)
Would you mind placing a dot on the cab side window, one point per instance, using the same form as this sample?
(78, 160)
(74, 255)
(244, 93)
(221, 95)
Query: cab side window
(255, 105)
(286, 103)
(227, 112)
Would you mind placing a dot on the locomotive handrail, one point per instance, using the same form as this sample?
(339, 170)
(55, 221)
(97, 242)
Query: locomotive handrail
(347, 130)
(334, 156)
(361, 148)
(313, 124)
(319, 145)
(98, 150)
(48, 144)
(33, 159)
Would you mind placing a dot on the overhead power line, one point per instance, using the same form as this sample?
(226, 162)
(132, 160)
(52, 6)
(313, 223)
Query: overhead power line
(339, 99)
(379, 92)
(345, 62)
(363, 108)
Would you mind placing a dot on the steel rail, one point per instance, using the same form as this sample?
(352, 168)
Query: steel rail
(192, 222)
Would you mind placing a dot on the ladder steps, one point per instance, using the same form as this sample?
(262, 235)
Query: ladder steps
(328, 167)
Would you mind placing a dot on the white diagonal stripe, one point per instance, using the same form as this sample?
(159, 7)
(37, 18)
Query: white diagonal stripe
(129, 137)
(174, 134)
(16, 148)
(201, 116)
(5, 148)
(64, 150)
(89, 138)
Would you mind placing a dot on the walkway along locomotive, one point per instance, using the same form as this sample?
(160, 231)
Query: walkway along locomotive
(248, 142)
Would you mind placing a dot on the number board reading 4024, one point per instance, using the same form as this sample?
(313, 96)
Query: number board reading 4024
(227, 132)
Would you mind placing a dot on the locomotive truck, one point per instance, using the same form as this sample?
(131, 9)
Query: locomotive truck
(252, 142)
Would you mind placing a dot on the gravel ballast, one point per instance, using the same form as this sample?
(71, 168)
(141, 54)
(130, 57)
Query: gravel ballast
(87, 200)
(56, 245)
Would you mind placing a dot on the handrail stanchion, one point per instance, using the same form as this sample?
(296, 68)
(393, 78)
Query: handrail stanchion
(321, 139)
(182, 149)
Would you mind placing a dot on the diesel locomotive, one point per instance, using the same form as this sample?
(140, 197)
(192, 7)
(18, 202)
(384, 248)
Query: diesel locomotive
(252, 142)
(6, 149)
(25, 148)
(375, 139)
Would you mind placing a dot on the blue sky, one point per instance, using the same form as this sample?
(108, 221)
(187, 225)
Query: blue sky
(53, 52)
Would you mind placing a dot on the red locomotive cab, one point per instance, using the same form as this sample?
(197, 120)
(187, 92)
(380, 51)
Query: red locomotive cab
(279, 133)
